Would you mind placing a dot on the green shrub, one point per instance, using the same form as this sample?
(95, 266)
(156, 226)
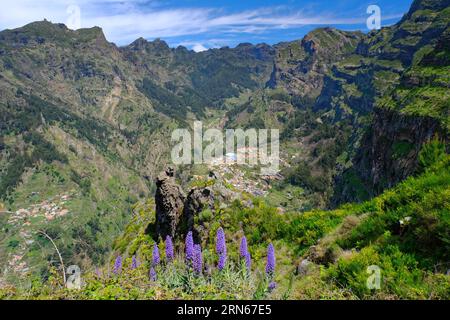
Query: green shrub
(400, 275)
(431, 153)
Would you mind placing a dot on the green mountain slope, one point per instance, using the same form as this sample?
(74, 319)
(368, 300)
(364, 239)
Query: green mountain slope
(320, 254)
(417, 110)
(357, 82)
(85, 128)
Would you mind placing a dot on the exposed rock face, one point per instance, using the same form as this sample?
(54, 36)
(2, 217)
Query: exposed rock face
(197, 200)
(169, 199)
(390, 148)
(175, 212)
(388, 155)
(304, 267)
(390, 129)
(322, 254)
(300, 66)
(353, 83)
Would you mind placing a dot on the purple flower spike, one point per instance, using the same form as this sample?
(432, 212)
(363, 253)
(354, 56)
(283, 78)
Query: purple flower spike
(248, 261)
(270, 266)
(118, 265)
(189, 247)
(152, 274)
(222, 261)
(221, 247)
(169, 249)
(198, 259)
(243, 249)
(272, 286)
(244, 253)
(155, 256)
(134, 263)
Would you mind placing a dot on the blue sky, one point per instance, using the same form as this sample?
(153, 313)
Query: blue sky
(202, 24)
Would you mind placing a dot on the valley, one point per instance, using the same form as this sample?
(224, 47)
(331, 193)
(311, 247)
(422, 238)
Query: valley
(363, 119)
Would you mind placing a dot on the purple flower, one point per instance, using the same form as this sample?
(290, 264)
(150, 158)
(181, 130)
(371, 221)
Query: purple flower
(169, 249)
(272, 286)
(189, 247)
(248, 261)
(155, 256)
(118, 265)
(221, 247)
(244, 253)
(222, 261)
(243, 250)
(270, 266)
(198, 260)
(152, 274)
(134, 263)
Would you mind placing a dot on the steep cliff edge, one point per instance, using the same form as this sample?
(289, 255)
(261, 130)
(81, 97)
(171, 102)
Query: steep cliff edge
(417, 110)
(357, 82)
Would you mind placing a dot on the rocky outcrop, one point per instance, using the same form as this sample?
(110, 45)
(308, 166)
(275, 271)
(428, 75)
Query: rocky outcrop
(300, 66)
(395, 141)
(169, 199)
(197, 200)
(388, 155)
(403, 121)
(381, 55)
(176, 212)
(304, 267)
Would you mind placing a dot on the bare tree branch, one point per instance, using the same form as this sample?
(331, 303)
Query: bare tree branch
(57, 251)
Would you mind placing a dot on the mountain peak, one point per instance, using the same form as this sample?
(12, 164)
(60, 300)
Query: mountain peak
(90, 34)
(429, 5)
(144, 44)
(138, 44)
(159, 43)
(42, 31)
(434, 5)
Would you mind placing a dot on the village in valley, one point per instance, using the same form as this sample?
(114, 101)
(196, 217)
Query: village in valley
(24, 220)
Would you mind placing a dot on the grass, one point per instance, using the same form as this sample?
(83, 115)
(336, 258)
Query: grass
(411, 256)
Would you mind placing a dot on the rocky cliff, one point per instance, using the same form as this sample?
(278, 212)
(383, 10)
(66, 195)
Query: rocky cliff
(417, 110)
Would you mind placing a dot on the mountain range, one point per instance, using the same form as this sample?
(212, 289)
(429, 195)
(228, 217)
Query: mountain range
(85, 125)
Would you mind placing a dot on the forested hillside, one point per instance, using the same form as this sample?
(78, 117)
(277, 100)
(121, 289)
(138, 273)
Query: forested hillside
(85, 129)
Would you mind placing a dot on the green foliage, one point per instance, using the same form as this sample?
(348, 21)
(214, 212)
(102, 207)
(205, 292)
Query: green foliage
(11, 177)
(353, 181)
(37, 111)
(13, 243)
(401, 149)
(221, 78)
(404, 231)
(424, 201)
(400, 275)
(174, 279)
(411, 256)
(165, 101)
(423, 87)
(302, 176)
(205, 216)
(431, 153)
(280, 95)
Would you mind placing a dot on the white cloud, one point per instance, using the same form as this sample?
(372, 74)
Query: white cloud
(198, 47)
(124, 22)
